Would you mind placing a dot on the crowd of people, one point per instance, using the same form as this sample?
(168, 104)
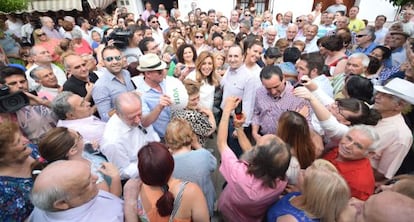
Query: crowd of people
(113, 117)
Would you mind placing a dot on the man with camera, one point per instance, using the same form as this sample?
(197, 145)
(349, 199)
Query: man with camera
(132, 51)
(31, 112)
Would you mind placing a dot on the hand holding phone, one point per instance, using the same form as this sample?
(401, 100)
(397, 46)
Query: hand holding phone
(238, 110)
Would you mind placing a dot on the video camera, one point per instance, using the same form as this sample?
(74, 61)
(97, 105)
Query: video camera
(120, 38)
(10, 103)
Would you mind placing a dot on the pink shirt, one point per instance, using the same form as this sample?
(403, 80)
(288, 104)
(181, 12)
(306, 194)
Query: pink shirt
(394, 143)
(244, 198)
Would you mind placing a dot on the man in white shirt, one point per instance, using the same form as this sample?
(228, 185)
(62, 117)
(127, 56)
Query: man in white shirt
(124, 135)
(42, 57)
(310, 39)
(380, 30)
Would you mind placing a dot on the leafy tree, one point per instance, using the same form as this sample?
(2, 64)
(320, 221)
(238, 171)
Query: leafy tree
(400, 2)
(13, 5)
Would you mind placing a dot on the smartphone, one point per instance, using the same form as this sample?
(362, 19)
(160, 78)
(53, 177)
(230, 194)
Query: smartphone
(298, 84)
(238, 110)
(89, 148)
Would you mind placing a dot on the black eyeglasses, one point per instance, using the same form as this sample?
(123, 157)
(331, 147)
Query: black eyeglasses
(199, 37)
(360, 36)
(111, 58)
(154, 21)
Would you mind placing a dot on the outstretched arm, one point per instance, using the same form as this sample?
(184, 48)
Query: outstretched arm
(230, 105)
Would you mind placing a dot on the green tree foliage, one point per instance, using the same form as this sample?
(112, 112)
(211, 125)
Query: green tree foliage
(401, 2)
(13, 5)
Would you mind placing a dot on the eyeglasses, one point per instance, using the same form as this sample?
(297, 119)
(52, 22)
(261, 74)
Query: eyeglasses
(111, 58)
(246, 14)
(360, 36)
(198, 37)
(299, 20)
(154, 21)
(38, 35)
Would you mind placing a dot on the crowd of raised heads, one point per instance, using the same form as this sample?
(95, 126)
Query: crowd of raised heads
(207, 116)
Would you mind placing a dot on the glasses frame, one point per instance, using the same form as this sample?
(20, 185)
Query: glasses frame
(112, 58)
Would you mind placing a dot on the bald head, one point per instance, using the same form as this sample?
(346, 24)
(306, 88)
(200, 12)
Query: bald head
(128, 108)
(389, 206)
(63, 185)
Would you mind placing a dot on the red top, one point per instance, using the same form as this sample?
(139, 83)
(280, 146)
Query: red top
(357, 173)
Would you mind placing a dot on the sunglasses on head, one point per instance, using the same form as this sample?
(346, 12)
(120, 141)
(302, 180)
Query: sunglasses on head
(111, 58)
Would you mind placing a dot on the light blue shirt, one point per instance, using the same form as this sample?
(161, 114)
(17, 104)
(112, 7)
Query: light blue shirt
(150, 99)
(107, 88)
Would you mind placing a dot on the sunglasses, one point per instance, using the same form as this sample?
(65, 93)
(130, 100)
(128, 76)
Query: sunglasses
(299, 20)
(38, 35)
(154, 21)
(199, 37)
(246, 14)
(360, 36)
(111, 58)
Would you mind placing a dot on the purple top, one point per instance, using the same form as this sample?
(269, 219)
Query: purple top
(268, 109)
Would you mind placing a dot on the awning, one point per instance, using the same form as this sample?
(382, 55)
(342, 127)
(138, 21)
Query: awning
(54, 5)
(66, 5)
(100, 3)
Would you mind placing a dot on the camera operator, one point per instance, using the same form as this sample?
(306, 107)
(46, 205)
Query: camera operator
(34, 118)
(132, 51)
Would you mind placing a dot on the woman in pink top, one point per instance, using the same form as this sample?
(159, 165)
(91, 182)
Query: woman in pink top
(256, 180)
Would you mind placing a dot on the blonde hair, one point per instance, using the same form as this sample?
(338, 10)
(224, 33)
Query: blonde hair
(178, 134)
(325, 192)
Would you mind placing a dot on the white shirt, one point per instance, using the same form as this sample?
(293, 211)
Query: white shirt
(380, 36)
(91, 128)
(60, 75)
(121, 143)
(206, 92)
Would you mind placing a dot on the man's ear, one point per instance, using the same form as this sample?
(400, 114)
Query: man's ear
(61, 205)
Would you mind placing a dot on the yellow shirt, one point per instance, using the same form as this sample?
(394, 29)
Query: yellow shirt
(356, 25)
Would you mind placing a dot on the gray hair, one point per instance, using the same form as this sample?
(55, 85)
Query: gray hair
(33, 74)
(368, 131)
(371, 32)
(60, 105)
(46, 198)
(45, 19)
(364, 58)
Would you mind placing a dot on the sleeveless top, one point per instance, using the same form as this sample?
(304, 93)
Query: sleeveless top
(284, 207)
(333, 64)
(153, 214)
